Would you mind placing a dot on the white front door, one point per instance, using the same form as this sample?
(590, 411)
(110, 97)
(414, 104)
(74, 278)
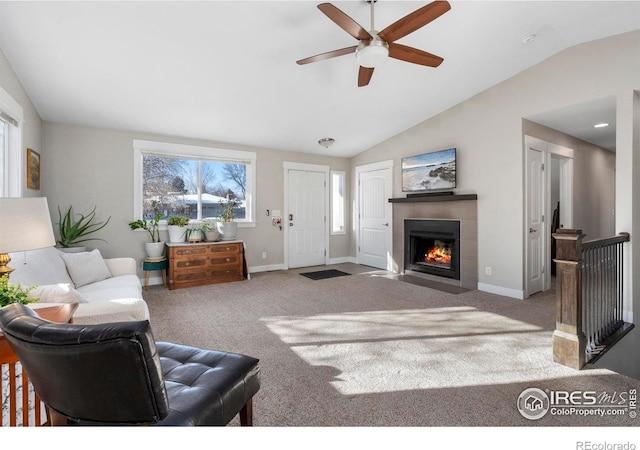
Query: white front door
(375, 231)
(535, 221)
(306, 218)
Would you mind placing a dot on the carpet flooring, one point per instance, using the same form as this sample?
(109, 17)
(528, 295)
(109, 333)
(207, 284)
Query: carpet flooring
(369, 350)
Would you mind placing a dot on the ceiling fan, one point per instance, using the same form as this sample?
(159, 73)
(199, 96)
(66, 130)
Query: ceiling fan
(374, 47)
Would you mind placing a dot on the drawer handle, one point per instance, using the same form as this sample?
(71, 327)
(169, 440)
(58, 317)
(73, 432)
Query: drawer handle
(228, 259)
(228, 248)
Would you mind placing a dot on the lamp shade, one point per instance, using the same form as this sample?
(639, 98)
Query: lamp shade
(25, 224)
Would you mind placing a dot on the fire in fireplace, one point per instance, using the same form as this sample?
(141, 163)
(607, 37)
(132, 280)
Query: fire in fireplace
(433, 247)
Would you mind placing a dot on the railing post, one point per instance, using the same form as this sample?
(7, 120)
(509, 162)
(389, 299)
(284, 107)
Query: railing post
(569, 341)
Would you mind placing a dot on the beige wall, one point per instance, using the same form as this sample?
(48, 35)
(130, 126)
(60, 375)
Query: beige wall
(90, 167)
(31, 136)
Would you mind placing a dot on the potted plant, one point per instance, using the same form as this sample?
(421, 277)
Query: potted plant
(155, 248)
(13, 294)
(210, 230)
(75, 231)
(226, 226)
(177, 226)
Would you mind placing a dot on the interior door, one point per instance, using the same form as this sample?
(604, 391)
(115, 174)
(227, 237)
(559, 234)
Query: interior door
(306, 218)
(536, 243)
(375, 218)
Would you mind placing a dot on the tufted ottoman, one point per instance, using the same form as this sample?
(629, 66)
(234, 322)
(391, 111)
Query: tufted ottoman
(207, 387)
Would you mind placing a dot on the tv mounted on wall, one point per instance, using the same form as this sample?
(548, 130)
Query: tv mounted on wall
(435, 171)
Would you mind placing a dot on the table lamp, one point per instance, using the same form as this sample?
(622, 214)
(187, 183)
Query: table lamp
(25, 224)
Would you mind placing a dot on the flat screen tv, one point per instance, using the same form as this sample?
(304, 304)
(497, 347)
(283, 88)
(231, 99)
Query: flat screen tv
(435, 171)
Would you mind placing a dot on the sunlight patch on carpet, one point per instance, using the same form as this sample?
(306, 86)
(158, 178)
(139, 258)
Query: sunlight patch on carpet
(386, 351)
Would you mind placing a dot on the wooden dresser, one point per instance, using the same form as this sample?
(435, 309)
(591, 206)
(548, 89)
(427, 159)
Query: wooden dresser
(205, 263)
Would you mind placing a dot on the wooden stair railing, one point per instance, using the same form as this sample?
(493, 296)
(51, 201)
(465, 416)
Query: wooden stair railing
(588, 297)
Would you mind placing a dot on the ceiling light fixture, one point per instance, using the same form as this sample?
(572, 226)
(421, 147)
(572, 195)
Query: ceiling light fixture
(601, 125)
(373, 53)
(326, 142)
(529, 38)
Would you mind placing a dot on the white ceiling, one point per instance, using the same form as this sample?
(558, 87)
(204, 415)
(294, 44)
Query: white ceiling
(226, 71)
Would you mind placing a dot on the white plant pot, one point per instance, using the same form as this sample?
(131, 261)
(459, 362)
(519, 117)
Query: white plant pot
(195, 236)
(154, 249)
(227, 230)
(212, 235)
(176, 233)
(78, 249)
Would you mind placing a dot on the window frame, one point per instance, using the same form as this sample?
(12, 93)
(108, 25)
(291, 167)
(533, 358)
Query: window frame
(13, 158)
(166, 149)
(343, 175)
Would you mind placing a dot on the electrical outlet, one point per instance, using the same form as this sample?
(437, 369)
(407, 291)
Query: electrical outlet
(264, 255)
(487, 270)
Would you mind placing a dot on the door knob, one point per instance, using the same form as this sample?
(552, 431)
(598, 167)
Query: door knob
(290, 224)
(532, 230)
(386, 224)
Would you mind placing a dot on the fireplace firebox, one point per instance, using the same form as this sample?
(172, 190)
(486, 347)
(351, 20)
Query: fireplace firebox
(432, 247)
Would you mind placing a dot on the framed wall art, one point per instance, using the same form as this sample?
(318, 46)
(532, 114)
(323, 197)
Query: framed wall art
(33, 169)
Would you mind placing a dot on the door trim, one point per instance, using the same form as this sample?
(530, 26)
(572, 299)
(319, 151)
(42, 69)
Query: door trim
(286, 166)
(388, 164)
(566, 198)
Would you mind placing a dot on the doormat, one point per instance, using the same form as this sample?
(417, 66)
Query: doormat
(324, 274)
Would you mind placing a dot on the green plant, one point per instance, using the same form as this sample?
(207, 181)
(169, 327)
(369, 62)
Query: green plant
(227, 214)
(13, 294)
(151, 226)
(207, 225)
(72, 232)
(181, 221)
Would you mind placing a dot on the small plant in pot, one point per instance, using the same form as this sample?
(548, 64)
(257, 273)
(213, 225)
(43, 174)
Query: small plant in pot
(177, 226)
(14, 294)
(155, 248)
(210, 230)
(73, 229)
(226, 226)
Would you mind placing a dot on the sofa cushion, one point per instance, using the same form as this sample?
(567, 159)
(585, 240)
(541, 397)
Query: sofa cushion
(56, 293)
(109, 294)
(86, 267)
(38, 267)
(113, 282)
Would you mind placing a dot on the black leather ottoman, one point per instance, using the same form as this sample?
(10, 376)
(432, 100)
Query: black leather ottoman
(207, 387)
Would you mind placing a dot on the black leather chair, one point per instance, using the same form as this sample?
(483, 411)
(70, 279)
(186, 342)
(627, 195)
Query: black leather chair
(116, 374)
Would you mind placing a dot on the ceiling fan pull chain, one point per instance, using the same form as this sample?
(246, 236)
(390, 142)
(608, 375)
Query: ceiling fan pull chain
(372, 2)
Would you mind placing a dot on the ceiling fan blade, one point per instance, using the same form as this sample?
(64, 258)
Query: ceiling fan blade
(343, 21)
(327, 55)
(364, 76)
(413, 55)
(415, 20)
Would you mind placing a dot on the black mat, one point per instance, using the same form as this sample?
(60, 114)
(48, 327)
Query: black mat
(324, 274)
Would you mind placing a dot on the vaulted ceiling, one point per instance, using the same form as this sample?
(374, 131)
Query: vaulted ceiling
(226, 71)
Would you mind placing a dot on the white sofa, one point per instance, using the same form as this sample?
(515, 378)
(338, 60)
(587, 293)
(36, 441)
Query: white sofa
(106, 290)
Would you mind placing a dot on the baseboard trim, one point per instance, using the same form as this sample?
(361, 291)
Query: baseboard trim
(499, 290)
(266, 268)
(343, 260)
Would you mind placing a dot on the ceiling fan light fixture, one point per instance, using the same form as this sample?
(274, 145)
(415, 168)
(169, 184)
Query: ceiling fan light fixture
(372, 53)
(601, 125)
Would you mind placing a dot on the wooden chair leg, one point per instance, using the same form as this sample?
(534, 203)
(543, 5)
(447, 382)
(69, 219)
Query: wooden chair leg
(246, 414)
(57, 420)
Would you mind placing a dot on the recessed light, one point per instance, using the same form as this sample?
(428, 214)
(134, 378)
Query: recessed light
(529, 38)
(601, 125)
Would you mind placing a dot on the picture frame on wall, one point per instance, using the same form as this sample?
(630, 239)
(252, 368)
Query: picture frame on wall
(33, 169)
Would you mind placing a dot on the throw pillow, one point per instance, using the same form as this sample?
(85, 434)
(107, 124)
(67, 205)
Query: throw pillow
(86, 267)
(56, 293)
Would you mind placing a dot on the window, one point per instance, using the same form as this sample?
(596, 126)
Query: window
(193, 181)
(337, 202)
(11, 168)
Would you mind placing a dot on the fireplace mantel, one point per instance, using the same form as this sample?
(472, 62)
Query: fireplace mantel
(434, 198)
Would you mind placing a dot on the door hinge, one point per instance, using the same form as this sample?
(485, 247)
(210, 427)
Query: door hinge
(542, 166)
(542, 269)
(358, 248)
(543, 218)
